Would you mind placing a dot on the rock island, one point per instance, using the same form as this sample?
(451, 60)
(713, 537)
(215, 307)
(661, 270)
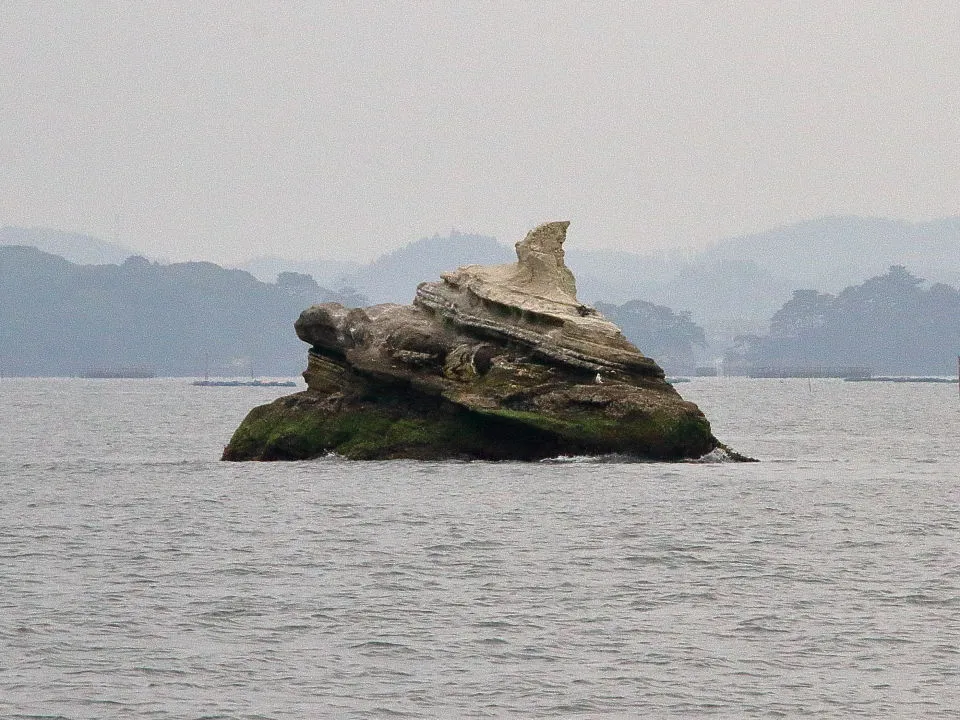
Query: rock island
(491, 362)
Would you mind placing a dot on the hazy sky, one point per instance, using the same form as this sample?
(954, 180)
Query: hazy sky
(310, 129)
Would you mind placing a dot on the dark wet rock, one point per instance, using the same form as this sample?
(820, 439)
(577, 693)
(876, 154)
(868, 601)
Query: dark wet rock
(491, 362)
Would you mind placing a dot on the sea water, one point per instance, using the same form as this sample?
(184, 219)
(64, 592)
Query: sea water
(140, 577)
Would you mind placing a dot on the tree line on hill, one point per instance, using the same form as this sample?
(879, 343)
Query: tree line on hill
(890, 324)
(731, 287)
(59, 318)
(183, 319)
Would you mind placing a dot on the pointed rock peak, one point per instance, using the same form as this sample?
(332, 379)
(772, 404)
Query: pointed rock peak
(546, 238)
(540, 256)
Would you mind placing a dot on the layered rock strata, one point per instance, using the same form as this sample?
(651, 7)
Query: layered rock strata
(492, 362)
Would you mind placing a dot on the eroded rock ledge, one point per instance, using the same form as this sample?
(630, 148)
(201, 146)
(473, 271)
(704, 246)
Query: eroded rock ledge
(492, 362)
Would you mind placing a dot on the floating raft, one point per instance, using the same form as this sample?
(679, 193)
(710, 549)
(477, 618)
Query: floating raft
(951, 381)
(115, 373)
(244, 383)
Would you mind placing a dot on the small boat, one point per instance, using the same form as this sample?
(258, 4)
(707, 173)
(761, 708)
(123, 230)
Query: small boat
(904, 379)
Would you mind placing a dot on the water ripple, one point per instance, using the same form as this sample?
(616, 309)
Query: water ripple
(142, 578)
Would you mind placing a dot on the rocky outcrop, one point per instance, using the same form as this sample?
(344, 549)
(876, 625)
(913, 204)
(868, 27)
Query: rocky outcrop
(491, 362)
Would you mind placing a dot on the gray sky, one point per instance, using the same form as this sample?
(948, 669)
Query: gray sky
(311, 129)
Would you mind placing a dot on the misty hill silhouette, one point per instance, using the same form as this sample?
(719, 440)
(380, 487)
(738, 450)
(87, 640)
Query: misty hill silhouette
(327, 272)
(671, 338)
(737, 284)
(892, 323)
(75, 247)
(394, 277)
(733, 286)
(740, 282)
(59, 318)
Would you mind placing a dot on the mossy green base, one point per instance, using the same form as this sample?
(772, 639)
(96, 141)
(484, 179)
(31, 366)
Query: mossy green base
(279, 432)
(297, 428)
(657, 435)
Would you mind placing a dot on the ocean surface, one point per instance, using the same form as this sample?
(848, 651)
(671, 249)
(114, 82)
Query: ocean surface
(140, 577)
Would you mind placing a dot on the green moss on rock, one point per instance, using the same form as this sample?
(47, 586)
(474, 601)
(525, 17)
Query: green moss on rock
(289, 431)
(654, 435)
(292, 428)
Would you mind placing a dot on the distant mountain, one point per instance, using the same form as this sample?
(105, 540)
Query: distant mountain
(617, 276)
(75, 247)
(326, 272)
(394, 277)
(738, 283)
(831, 253)
(60, 318)
(893, 323)
(730, 288)
(670, 338)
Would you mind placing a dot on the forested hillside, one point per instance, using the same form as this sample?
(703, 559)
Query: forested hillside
(183, 313)
(73, 246)
(892, 323)
(670, 338)
(58, 318)
(394, 276)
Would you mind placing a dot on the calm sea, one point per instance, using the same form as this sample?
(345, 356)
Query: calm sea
(142, 578)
